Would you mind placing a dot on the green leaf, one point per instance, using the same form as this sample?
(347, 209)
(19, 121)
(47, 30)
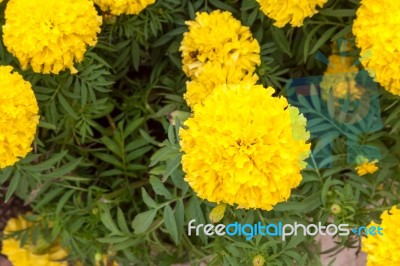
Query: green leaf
(132, 126)
(172, 165)
(112, 146)
(147, 199)
(180, 217)
(6, 173)
(159, 187)
(63, 200)
(48, 196)
(170, 223)
(323, 39)
(66, 106)
(337, 12)
(325, 188)
(163, 154)
(308, 204)
(122, 222)
(283, 43)
(296, 240)
(13, 186)
(143, 221)
(106, 219)
(63, 170)
(45, 165)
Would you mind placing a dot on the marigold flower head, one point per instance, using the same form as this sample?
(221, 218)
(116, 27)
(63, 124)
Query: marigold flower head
(18, 116)
(290, 11)
(364, 166)
(243, 146)
(376, 29)
(50, 35)
(118, 7)
(382, 250)
(218, 37)
(340, 78)
(367, 168)
(210, 76)
(30, 254)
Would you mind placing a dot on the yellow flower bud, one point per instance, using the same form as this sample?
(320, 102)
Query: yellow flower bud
(336, 209)
(217, 213)
(98, 257)
(258, 260)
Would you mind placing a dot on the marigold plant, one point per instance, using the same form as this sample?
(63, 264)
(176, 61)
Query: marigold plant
(162, 119)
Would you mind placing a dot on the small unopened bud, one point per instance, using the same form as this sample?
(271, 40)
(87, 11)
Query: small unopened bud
(98, 257)
(258, 260)
(109, 19)
(360, 159)
(336, 209)
(177, 115)
(217, 213)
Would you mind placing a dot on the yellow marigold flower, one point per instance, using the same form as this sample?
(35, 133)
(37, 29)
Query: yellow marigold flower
(364, 166)
(376, 29)
(340, 78)
(118, 7)
(243, 146)
(367, 168)
(383, 249)
(290, 11)
(41, 254)
(50, 35)
(18, 117)
(218, 37)
(211, 75)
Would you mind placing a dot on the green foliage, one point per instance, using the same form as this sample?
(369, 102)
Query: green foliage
(106, 162)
